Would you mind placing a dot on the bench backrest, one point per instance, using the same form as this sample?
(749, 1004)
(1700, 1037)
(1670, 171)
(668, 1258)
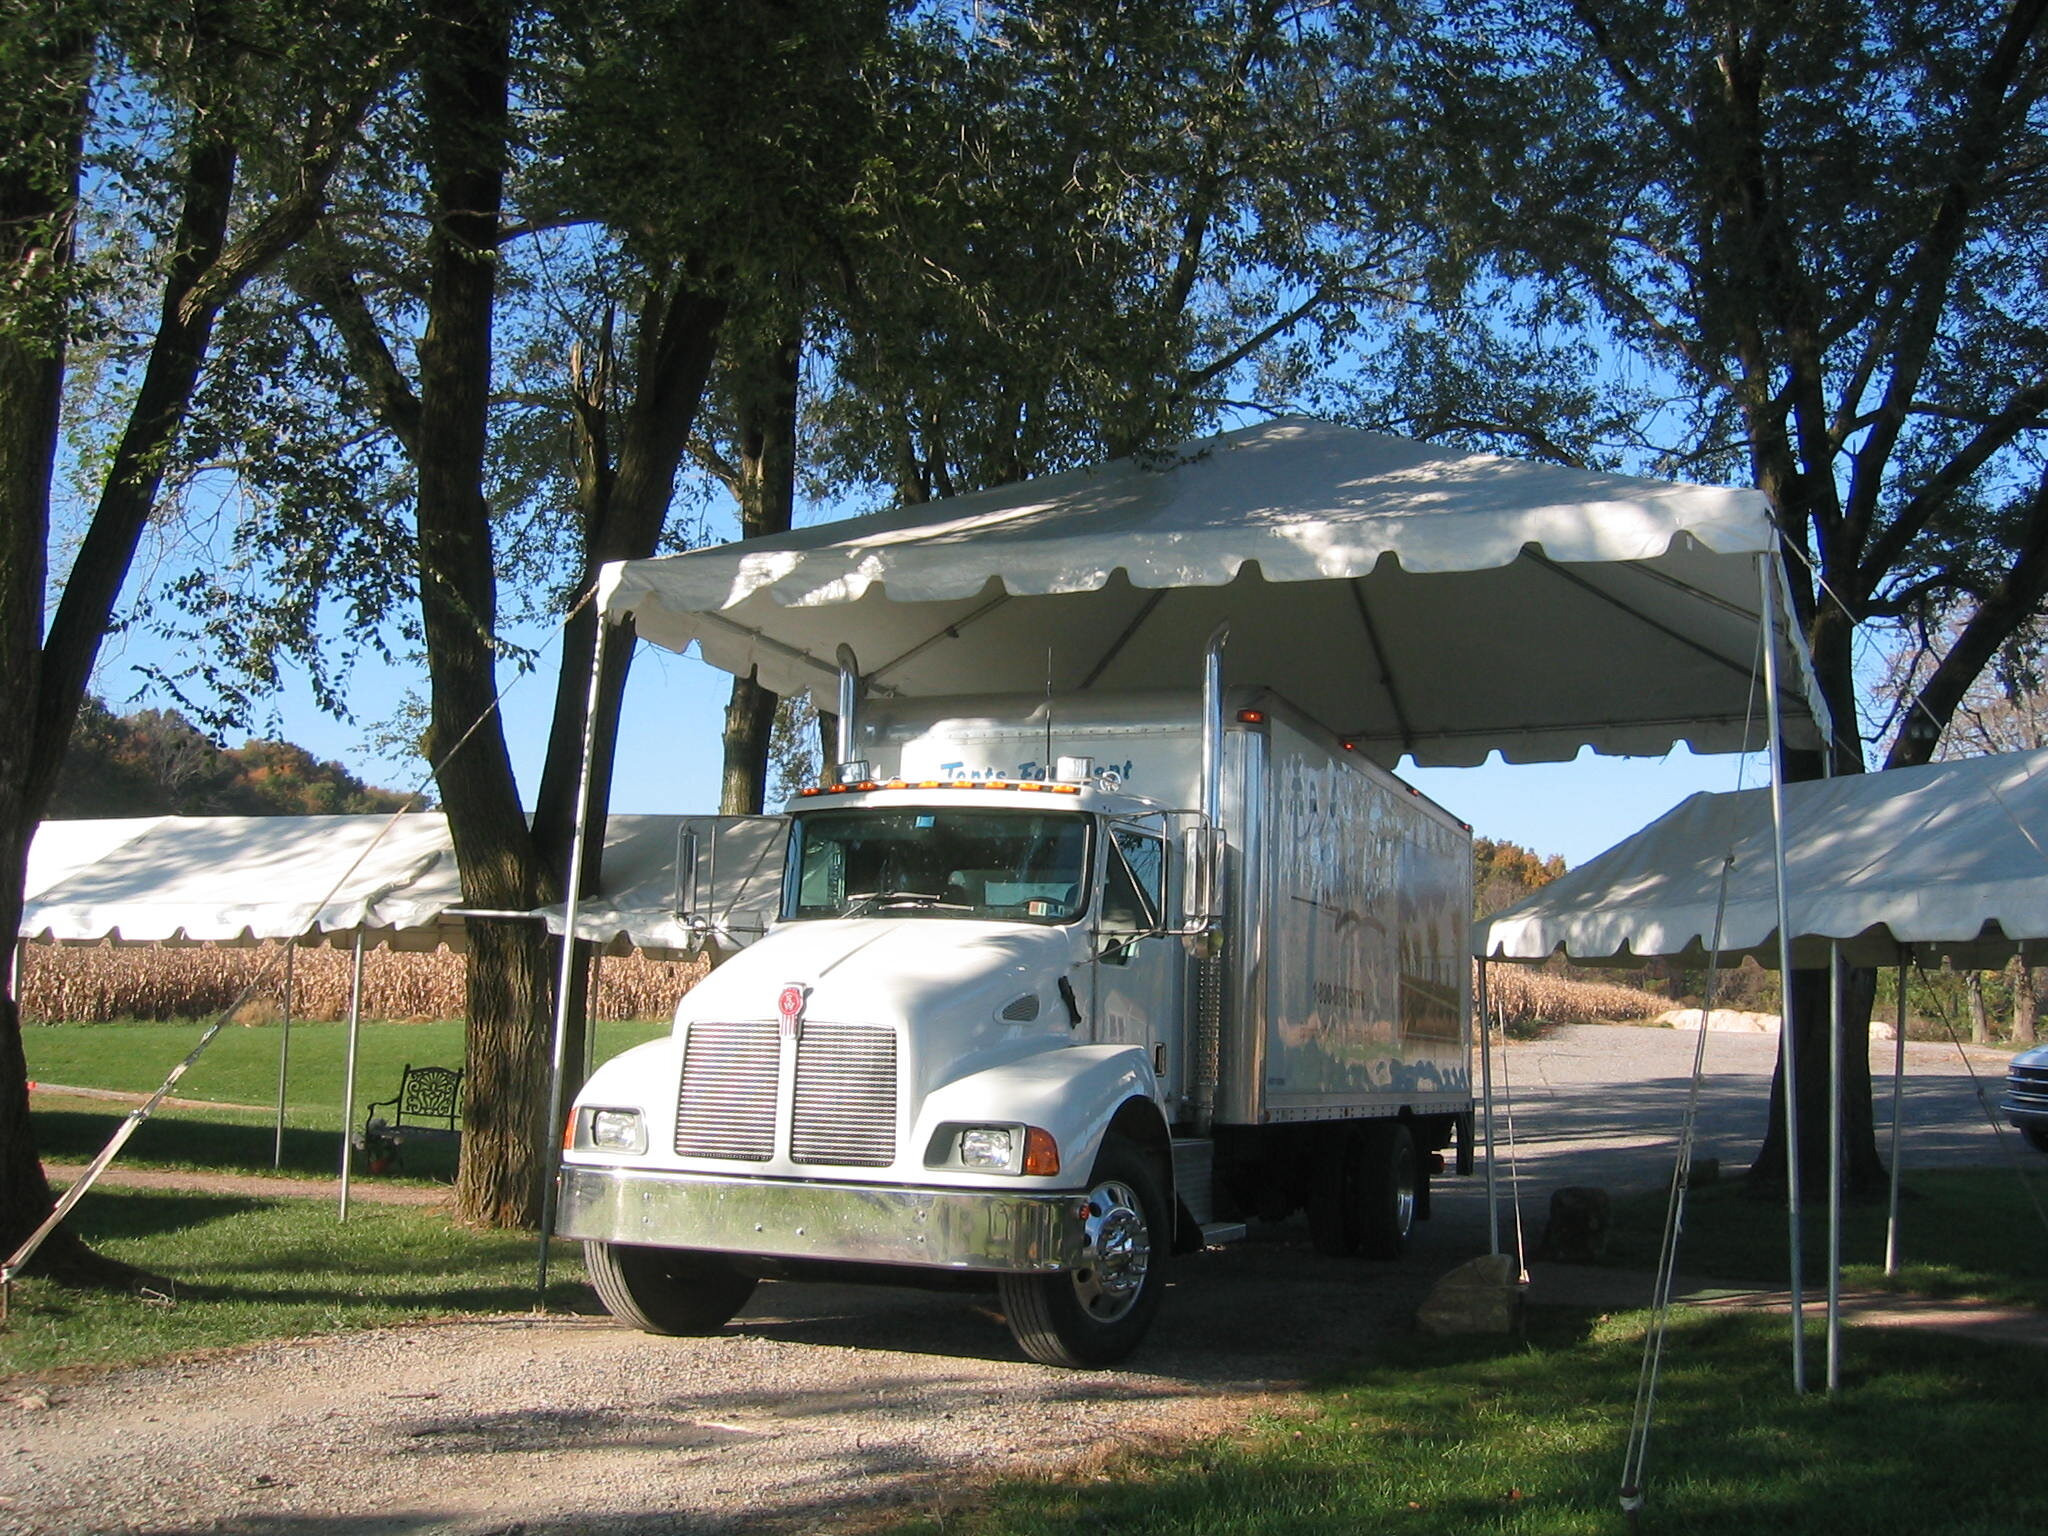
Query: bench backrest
(430, 1093)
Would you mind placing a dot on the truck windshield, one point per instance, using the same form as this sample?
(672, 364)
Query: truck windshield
(1017, 866)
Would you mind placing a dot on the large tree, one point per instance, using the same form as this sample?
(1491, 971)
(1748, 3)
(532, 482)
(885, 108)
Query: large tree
(1817, 226)
(523, 293)
(218, 125)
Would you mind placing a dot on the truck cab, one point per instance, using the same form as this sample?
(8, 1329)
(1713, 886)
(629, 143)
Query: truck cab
(956, 1049)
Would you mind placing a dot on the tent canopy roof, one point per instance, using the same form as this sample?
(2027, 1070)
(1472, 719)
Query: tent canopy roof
(1416, 599)
(1951, 858)
(236, 879)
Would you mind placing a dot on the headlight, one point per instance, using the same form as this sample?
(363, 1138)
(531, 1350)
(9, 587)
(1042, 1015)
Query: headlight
(991, 1147)
(612, 1130)
(995, 1149)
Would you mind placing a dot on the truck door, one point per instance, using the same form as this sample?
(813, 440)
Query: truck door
(1138, 970)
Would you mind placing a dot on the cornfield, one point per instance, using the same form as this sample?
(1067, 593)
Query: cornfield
(84, 984)
(1524, 995)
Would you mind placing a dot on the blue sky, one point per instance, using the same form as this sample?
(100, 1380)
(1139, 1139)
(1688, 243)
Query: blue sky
(669, 756)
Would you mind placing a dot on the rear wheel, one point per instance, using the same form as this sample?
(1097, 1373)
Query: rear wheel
(1390, 1187)
(666, 1290)
(1097, 1312)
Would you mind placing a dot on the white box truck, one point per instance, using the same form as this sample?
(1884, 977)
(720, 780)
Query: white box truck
(1058, 988)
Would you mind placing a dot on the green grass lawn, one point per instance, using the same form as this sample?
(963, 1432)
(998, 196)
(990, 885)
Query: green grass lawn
(1961, 1233)
(240, 1068)
(248, 1270)
(1451, 1438)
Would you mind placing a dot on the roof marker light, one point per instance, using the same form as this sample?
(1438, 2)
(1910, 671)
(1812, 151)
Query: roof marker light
(1251, 716)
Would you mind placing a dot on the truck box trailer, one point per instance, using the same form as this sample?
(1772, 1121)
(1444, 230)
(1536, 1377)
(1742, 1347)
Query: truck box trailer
(1056, 988)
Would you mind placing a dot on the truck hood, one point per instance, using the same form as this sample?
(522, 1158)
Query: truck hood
(893, 970)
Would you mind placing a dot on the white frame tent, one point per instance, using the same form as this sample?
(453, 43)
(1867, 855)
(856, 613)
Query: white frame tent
(1947, 860)
(1416, 601)
(241, 880)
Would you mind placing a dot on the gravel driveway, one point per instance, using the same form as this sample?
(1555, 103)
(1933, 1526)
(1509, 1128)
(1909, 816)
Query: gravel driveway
(822, 1403)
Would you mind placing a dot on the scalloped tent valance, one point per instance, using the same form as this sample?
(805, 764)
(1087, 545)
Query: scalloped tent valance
(1421, 601)
(1949, 859)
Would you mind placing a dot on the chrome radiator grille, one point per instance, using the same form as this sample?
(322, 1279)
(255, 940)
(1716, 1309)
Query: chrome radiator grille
(726, 1106)
(845, 1108)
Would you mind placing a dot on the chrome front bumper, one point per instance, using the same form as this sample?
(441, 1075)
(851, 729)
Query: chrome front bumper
(875, 1224)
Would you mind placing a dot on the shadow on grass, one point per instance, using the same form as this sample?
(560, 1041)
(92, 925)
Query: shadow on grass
(185, 1138)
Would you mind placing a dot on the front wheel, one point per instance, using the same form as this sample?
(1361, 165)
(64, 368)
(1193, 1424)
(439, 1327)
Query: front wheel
(666, 1290)
(1097, 1312)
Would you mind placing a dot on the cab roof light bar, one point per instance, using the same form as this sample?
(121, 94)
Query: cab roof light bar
(1032, 785)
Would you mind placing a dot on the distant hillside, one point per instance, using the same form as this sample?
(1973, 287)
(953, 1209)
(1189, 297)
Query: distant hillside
(156, 762)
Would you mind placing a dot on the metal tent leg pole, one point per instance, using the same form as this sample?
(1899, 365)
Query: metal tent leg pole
(1787, 1056)
(348, 1071)
(1486, 1099)
(284, 1053)
(1891, 1222)
(1834, 1169)
(551, 1147)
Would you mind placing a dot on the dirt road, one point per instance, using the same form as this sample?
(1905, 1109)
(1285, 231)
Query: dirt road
(821, 1402)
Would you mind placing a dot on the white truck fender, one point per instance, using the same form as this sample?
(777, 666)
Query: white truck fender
(1074, 1092)
(643, 1078)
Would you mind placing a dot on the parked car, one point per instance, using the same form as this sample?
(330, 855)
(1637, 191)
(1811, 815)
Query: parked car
(2026, 1096)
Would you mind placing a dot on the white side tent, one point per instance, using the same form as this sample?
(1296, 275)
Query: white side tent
(239, 879)
(1949, 859)
(678, 883)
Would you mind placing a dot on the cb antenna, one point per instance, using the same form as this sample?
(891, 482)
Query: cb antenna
(1048, 712)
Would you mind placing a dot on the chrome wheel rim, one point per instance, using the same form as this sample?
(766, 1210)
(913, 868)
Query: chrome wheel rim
(1117, 1253)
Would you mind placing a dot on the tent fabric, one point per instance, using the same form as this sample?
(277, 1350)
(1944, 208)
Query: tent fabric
(1417, 600)
(640, 902)
(60, 849)
(241, 879)
(1949, 859)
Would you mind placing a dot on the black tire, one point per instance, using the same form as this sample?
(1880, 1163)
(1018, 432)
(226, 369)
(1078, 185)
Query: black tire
(1097, 1312)
(671, 1291)
(1390, 1188)
(2037, 1136)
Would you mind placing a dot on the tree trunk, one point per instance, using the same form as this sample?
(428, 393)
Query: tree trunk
(2025, 1001)
(1980, 1022)
(765, 405)
(749, 725)
(464, 83)
(1863, 1168)
(38, 194)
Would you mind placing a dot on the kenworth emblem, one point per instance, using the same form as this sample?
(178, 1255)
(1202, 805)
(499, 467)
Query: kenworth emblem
(791, 1006)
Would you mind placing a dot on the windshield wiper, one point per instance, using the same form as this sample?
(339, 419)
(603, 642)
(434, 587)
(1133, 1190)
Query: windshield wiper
(862, 903)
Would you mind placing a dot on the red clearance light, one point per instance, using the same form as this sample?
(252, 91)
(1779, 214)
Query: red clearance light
(1251, 716)
(1348, 746)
